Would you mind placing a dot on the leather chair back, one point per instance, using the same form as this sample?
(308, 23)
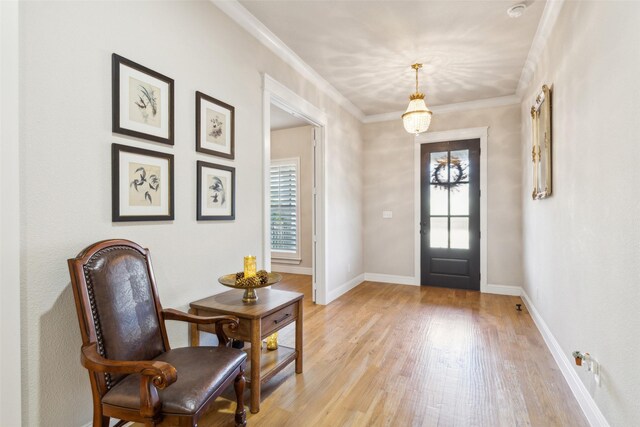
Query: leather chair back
(120, 308)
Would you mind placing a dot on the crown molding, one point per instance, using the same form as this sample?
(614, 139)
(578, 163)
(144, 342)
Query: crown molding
(257, 29)
(450, 108)
(547, 21)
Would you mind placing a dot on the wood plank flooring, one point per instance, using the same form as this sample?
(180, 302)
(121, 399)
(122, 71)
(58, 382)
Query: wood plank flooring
(394, 355)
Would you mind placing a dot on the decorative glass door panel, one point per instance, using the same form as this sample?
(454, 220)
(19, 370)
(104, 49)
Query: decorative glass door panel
(449, 199)
(450, 217)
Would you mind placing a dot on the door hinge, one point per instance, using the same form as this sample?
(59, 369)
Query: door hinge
(315, 295)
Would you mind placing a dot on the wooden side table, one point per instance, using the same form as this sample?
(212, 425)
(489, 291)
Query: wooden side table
(273, 311)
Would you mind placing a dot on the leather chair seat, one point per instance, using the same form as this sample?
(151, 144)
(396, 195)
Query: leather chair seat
(201, 371)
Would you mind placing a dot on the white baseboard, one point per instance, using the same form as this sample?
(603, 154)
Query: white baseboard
(410, 280)
(515, 291)
(292, 269)
(390, 278)
(585, 400)
(346, 287)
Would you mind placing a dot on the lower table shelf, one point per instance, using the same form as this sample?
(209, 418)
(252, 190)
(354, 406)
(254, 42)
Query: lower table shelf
(271, 361)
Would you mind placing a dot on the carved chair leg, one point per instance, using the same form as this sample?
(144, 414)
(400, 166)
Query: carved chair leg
(241, 413)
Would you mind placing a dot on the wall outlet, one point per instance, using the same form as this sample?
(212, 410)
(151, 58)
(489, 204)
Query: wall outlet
(387, 214)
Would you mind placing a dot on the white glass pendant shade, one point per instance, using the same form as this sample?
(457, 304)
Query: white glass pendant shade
(417, 118)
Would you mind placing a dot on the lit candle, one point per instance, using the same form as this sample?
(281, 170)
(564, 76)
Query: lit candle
(249, 266)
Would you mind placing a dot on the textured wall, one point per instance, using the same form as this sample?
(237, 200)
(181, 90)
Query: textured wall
(10, 339)
(389, 185)
(66, 170)
(288, 144)
(581, 250)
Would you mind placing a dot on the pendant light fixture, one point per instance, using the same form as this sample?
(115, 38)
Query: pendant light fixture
(417, 118)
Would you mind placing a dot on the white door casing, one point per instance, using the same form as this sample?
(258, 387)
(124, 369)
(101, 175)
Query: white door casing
(279, 95)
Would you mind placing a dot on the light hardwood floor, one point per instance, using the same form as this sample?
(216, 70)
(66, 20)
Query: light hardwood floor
(394, 355)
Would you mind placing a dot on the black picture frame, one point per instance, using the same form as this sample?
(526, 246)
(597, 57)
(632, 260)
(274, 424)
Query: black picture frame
(117, 126)
(142, 182)
(204, 146)
(201, 215)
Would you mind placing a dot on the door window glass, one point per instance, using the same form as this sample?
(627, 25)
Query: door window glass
(438, 200)
(439, 232)
(439, 168)
(460, 199)
(449, 199)
(459, 232)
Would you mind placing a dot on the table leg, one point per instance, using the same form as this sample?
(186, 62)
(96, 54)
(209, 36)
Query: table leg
(194, 333)
(256, 334)
(299, 339)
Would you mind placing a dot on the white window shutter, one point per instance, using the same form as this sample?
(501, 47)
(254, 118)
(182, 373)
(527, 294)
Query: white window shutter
(284, 206)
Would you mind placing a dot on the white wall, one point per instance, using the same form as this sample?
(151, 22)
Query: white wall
(389, 185)
(581, 245)
(65, 170)
(288, 144)
(10, 304)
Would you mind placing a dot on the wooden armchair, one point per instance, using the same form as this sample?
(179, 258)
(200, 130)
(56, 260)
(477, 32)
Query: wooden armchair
(135, 375)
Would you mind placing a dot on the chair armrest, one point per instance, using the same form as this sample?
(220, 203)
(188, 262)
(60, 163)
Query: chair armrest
(219, 321)
(172, 314)
(154, 375)
(162, 373)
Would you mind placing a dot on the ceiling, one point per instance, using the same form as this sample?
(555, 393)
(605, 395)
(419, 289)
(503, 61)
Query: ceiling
(280, 119)
(472, 50)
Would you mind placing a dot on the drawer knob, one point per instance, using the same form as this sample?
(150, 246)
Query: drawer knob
(282, 319)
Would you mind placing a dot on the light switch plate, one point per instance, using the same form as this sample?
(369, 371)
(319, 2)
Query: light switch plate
(387, 214)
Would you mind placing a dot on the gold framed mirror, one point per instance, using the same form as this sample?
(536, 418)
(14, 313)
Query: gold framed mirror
(541, 144)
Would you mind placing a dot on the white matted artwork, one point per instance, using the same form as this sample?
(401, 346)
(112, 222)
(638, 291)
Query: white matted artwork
(215, 124)
(142, 102)
(215, 192)
(142, 184)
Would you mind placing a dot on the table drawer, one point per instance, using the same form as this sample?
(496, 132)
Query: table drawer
(280, 318)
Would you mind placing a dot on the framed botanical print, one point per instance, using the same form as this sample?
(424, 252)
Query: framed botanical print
(141, 184)
(541, 144)
(215, 126)
(216, 192)
(142, 102)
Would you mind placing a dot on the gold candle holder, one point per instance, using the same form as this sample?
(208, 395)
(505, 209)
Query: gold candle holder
(249, 266)
(272, 341)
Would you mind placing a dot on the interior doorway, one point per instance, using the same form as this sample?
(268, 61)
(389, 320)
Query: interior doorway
(291, 193)
(450, 214)
(280, 249)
